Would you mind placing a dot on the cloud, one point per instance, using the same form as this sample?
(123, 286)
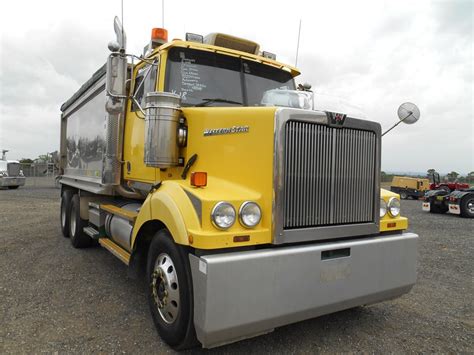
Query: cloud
(35, 81)
(373, 54)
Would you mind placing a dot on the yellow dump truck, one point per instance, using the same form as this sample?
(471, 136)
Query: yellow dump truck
(409, 187)
(246, 205)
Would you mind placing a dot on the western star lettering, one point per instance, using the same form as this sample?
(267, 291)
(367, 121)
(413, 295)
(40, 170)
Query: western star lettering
(227, 130)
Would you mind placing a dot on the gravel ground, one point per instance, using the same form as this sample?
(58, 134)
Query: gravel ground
(59, 299)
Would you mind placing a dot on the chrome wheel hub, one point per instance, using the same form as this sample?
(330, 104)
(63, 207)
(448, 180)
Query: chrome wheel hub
(470, 206)
(165, 288)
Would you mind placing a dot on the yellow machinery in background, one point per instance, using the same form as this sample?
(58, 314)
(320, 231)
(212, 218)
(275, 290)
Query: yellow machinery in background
(409, 187)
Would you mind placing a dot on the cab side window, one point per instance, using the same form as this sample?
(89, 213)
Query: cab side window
(145, 82)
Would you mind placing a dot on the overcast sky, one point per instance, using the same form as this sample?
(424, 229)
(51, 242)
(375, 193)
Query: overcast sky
(374, 54)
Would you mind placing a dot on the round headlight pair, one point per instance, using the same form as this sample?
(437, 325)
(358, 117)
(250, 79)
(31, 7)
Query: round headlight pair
(393, 207)
(223, 215)
(383, 208)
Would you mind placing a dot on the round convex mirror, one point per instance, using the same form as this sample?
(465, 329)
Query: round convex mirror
(408, 113)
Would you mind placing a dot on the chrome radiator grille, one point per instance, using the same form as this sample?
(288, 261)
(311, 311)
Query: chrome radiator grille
(13, 169)
(330, 175)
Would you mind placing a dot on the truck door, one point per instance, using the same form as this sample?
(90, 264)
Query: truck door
(144, 81)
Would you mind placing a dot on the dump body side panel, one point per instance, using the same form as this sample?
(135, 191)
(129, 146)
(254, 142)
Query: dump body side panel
(83, 139)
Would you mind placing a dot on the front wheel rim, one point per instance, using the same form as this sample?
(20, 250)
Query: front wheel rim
(165, 288)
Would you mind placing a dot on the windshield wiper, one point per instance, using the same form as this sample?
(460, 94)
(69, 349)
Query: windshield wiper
(206, 102)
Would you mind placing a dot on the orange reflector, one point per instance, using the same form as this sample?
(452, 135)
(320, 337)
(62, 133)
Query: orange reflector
(241, 238)
(199, 179)
(191, 239)
(159, 34)
(391, 225)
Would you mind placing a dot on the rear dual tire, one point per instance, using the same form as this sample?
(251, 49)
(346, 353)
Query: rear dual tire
(438, 209)
(66, 197)
(467, 207)
(76, 225)
(72, 225)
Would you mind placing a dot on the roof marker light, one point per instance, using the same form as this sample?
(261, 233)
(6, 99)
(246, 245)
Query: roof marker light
(269, 55)
(193, 37)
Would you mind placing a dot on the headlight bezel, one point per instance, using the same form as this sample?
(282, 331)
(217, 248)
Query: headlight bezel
(383, 206)
(390, 203)
(244, 205)
(214, 211)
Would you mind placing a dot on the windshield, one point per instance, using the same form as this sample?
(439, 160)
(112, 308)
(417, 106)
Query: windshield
(210, 79)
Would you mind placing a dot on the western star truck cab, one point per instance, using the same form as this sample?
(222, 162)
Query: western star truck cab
(247, 206)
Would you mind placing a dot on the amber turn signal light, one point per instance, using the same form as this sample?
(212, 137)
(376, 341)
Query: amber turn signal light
(241, 238)
(199, 179)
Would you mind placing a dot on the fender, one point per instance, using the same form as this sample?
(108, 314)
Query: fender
(460, 194)
(169, 205)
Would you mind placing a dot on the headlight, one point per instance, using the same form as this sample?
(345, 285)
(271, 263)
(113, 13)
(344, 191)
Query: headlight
(223, 215)
(250, 214)
(394, 206)
(383, 208)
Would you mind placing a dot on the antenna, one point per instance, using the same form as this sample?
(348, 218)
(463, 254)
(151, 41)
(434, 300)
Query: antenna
(298, 45)
(162, 13)
(122, 17)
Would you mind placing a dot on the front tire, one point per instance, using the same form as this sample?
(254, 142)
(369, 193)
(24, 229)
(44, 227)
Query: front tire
(170, 294)
(403, 195)
(76, 225)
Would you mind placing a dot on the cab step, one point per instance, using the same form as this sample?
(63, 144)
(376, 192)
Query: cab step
(92, 232)
(115, 249)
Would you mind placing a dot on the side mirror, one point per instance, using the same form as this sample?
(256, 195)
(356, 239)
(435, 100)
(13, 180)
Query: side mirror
(116, 71)
(408, 113)
(304, 87)
(114, 46)
(120, 33)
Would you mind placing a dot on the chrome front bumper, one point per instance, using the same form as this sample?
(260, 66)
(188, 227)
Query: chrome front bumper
(6, 181)
(242, 294)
